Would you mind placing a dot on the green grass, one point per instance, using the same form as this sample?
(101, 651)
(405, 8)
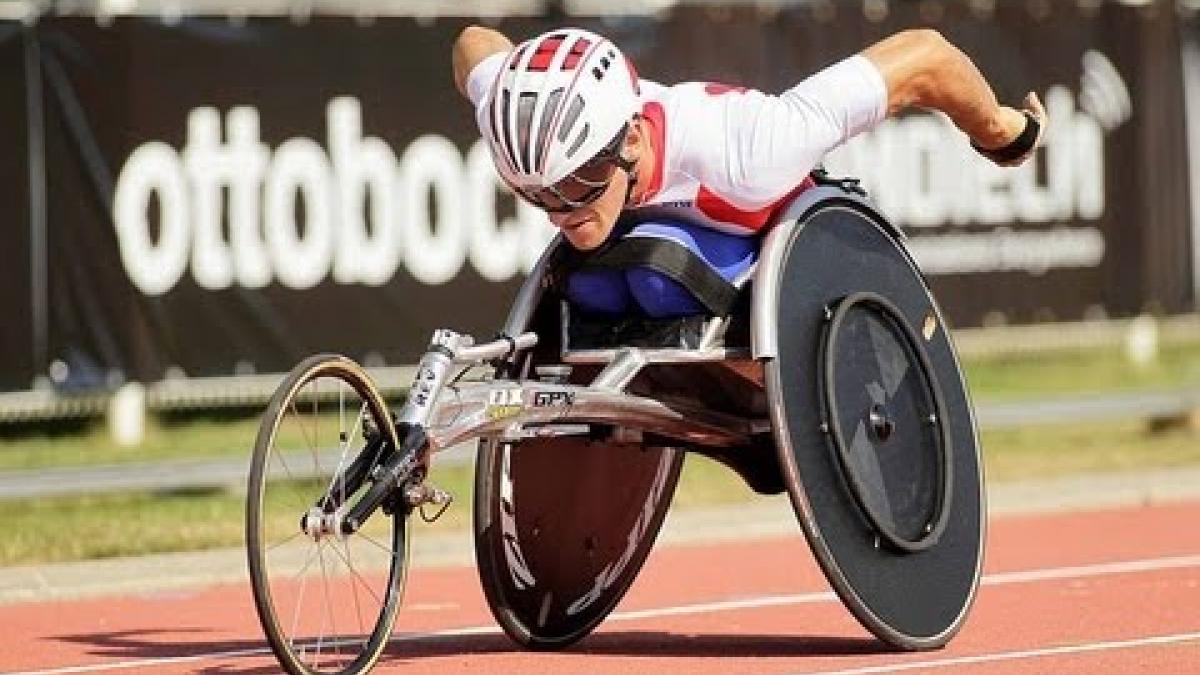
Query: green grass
(1058, 450)
(102, 526)
(99, 526)
(76, 528)
(232, 433)
(1066, 372)
(200, 436)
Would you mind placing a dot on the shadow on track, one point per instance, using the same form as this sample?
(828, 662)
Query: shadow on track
(256, 658)
(181, 643)
(650, 643)
(147, 644)
(657, 643)
(152, 643)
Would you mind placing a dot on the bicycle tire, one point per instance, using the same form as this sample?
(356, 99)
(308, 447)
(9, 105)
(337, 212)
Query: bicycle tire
(294, 652)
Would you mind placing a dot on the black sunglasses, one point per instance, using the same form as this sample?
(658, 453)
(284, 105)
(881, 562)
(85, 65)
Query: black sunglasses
(583, 185)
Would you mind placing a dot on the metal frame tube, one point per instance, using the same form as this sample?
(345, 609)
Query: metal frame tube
(515, 409)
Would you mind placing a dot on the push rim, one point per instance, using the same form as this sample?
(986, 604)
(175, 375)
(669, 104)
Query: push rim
(904, 522)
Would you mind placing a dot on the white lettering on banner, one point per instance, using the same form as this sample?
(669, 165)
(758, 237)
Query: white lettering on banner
(922, 174)
(366, 168)
(299, 175)
(495, 247)
(354, 214)
(251, 261)
(153, 170)
(432, 167)
(300, 215)
(208, 170)
(1005, 249)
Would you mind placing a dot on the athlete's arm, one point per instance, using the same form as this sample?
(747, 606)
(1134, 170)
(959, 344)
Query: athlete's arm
(473, 45)
(921, 68)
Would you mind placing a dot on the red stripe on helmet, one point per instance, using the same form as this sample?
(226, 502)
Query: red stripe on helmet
(576, 54)
(545, 53)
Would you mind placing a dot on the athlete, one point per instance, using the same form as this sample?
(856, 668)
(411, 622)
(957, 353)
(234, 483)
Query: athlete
(573, 130)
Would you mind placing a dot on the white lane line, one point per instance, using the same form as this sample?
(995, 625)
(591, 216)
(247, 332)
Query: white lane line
(723, 606)
(1013, 656)
(1096, 570)
(997, 579)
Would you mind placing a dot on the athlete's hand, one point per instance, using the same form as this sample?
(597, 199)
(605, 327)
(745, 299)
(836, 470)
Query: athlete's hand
(1032, 105)
(1025, 127)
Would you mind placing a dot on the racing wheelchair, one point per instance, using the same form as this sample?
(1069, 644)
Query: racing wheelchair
(831, 376)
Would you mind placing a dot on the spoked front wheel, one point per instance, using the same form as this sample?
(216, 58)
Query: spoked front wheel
(327, 601)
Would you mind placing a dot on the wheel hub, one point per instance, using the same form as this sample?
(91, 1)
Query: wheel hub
(317, 524)
(881, 423)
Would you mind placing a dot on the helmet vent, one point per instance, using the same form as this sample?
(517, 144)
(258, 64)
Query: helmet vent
(548, 114)
(605, 63)
(583, 134)
(525, 106)
(571, 117)
(506, 138)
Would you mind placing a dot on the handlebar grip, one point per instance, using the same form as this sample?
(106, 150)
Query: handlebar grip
(497, 348)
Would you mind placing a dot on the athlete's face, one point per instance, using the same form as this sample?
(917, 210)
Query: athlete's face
(587, 227)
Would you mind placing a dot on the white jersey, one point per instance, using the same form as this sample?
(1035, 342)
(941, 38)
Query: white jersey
(730, 157)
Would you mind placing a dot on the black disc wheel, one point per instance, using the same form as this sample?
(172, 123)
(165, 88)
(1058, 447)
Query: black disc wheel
(563, 524)
(326, 601)
(874, 426)
(562, 528)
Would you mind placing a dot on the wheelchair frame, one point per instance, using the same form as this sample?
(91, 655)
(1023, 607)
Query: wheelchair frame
(439, 413)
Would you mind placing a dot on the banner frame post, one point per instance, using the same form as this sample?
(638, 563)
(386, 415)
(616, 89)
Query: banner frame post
(1191, 107)
(35, 122)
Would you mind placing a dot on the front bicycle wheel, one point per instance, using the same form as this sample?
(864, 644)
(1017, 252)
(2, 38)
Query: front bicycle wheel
(326, 601)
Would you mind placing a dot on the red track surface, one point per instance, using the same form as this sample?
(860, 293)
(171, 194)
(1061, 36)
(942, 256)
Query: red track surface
(1116, 591)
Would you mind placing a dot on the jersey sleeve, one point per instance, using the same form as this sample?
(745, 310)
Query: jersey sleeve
(771, 142)
(482, 76)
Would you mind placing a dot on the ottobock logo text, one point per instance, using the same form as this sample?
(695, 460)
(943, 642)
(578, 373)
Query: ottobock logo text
(239, 213)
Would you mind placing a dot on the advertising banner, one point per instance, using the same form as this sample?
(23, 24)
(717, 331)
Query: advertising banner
(1096, 226)
(16, 336)
(227, 197)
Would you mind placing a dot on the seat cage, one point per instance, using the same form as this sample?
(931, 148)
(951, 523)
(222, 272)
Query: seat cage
(698, 339)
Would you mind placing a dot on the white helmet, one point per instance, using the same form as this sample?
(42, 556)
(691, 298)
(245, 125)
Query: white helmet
(560, 101)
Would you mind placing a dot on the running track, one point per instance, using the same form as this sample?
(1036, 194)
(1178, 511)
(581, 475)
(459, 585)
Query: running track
(1104, 591)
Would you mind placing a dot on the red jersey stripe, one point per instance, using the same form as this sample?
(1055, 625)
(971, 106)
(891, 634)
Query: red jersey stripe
(718, 88)
(713, 206)
(656, 119)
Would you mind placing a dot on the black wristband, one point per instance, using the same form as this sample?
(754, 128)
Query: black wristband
(1018, 148)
